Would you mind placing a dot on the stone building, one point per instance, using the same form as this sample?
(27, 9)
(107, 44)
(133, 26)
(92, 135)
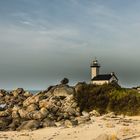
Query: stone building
(99, 79)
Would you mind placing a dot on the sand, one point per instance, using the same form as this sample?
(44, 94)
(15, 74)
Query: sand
(127, 128)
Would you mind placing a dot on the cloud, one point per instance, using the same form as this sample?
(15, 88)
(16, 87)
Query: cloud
(28, 23)
(56, 39)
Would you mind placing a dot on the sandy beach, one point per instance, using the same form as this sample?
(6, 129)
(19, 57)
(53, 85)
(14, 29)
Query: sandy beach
(127, 128)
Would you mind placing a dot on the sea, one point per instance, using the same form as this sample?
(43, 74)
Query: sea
(31, 91)
(34, 91)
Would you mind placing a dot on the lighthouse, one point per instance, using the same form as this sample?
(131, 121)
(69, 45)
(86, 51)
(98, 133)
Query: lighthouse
(100, 79)
(95, 67)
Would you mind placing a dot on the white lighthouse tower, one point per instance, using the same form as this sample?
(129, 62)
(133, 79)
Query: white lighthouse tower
(95, 67)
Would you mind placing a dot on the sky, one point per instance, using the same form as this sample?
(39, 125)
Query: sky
(43, 41)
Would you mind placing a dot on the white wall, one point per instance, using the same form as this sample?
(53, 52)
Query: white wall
(94, 72)
(113, 79)
(100, 82)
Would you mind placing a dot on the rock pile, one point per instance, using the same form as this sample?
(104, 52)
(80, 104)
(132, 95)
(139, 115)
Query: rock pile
(55, 106)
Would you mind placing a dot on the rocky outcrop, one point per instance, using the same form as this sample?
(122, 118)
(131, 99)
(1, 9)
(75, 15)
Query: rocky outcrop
(55, 106)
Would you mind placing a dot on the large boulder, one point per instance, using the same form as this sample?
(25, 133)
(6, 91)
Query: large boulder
(17, 92)
(4, 113)
(110, 115)
(85, 113)
(63, 91)
(48, 123)
(32, 107)
(16, 122)
(70, 123)
(82, 119)
(44, 103)
(27, 94)
(44, 112)
(3, 92)
(37, 115)
(29, 125)
(31, 100)
(94, 113)
(4, 122)
(23, 113)
(15, 114)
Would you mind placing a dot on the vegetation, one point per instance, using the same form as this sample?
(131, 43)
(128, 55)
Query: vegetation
(65, 81)
(107, 98)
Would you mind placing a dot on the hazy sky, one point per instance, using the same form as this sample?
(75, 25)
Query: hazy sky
(42, 41)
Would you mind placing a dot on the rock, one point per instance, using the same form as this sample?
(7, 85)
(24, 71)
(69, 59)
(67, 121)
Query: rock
(70, 123)
(60, 116)
(66, 115)
(48, 123)
(33, 99)
(94, 113)
(2, 92)
(58, 124)
(49, 89)
(2, 108)
(15, 114)
(77, 109)
(84, 113)
(29, 125)
(23, 113)
(7, 98)
(29, 115)
(4, 113)
(110, 115)
(15, 94)
(4, 122)
(44, 112)
(74, 122)
(44, 103)
(32, 107)
(54, 109)
(82, 119)
(74, 105)
(52, 116)
(79, 87)
(27, 94)
(15, 124)
(16, 108)
(59, 104)
(17, 91)
(63, 91)
(37, 115)
(71, 111)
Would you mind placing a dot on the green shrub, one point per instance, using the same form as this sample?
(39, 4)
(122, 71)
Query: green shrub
(108, 98)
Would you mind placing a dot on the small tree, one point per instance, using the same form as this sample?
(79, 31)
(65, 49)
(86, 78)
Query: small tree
(65, 81)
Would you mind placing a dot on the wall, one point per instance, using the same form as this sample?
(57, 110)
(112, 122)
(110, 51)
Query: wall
(94, 72)
(100, 82)
(113, 79)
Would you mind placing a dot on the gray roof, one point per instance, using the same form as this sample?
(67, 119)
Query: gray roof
(103, 77)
